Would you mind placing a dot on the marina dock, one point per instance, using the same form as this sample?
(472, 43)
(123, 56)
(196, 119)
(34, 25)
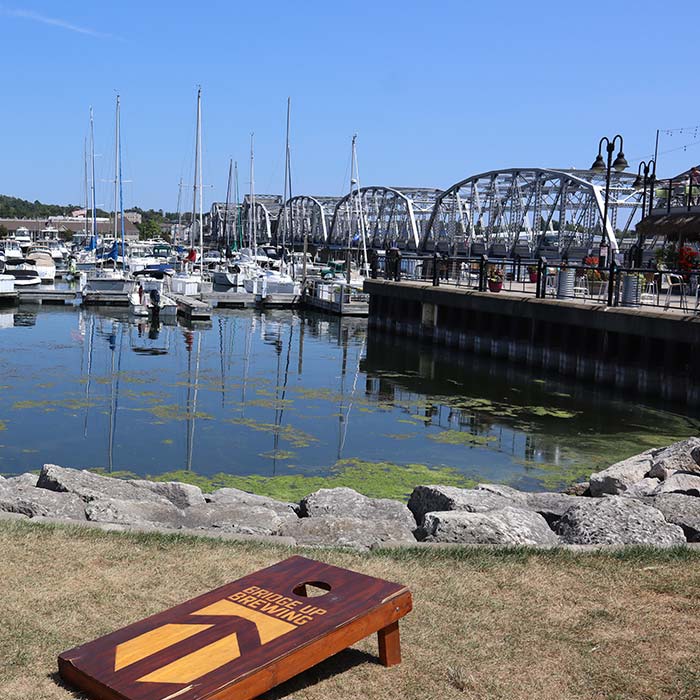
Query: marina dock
(39, 295)
(191, 307)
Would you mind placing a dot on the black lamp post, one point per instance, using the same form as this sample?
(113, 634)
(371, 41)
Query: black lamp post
(646, 176)
(600, 166)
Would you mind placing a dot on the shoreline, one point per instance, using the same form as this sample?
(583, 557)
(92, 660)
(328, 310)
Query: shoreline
(652, 498)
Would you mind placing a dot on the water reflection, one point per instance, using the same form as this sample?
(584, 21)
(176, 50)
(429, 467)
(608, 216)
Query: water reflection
(281, 393)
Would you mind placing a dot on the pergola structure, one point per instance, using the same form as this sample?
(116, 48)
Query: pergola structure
(388, 217)
(530, 212)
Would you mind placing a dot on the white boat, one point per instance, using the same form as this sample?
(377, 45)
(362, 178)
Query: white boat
(23, 271)
(43, 263)
(56, 249)
(11, 248)
(7, 283)
(226, 275)
(106, 280)
(23, 238)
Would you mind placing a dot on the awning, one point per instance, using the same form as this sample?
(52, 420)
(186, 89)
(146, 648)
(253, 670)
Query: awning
(671, 226)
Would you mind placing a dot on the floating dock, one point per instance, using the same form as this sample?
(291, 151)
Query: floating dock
(191, 307)
(338, 299)
(38, 295)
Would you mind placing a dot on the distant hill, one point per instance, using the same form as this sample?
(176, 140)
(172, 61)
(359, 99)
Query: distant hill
(16, 208)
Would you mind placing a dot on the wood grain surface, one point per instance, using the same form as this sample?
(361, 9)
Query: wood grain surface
(243, 638)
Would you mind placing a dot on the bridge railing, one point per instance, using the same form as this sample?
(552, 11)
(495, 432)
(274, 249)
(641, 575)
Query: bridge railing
(614, 285)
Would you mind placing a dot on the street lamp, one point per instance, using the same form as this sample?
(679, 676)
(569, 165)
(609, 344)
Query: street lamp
(600, 166)
(646, 175)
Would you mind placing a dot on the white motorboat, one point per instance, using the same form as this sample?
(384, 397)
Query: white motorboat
(56, 249)
(43, 263)
(106, 280)
(23, 238)
(23, 271)
(7, 283)
(11, 248)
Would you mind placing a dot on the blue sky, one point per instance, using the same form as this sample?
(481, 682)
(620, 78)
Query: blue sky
(435, 92)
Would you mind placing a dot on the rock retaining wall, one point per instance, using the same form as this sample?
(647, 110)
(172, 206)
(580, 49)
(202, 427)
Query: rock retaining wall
(650, 499)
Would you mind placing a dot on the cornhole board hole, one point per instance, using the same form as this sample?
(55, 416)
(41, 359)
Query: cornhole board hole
(244, 638)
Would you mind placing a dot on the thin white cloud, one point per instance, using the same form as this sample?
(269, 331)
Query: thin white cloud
(54, 22)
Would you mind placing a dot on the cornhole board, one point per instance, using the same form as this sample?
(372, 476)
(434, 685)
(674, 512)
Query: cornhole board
(244, 638)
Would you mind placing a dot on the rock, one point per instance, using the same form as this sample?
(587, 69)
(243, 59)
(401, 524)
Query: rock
(581, 488)
(682, 510)
(680, 482)
(328, 530)
(236, 496)
(507, 526)
(645, 487)
(130, 512)
(25, 479)
(505, 491)
(179, 494)
(347, 503)
(549, 505)
(618, 477)
(680, 456)
(89, 486)
(16, 497)
(617, 520)
(426, 499)
(241, 518)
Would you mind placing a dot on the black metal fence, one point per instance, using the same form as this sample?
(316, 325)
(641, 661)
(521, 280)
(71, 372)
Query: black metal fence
(613, 285)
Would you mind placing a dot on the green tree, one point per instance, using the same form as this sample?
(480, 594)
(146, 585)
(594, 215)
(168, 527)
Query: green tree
(148, 228)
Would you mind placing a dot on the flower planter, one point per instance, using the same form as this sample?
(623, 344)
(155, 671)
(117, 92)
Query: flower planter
(631, 289)
(534, 276)
(565, 283)
(495, 286)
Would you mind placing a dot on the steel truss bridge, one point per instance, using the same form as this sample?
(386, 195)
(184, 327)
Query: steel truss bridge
(518, 211)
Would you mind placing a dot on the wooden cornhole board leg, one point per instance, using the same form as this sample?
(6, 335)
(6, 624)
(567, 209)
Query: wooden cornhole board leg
(241, 640)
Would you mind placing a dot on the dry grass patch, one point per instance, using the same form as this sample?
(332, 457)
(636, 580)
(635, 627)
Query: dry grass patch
(487, 624)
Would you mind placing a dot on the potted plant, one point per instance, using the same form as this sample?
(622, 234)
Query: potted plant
(495, 278)
(533, 273)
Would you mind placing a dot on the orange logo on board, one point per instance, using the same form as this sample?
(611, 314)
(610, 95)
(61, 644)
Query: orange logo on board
(273, 615)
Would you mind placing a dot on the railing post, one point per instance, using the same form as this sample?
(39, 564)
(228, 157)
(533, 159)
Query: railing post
(611, 282)
(540, 287)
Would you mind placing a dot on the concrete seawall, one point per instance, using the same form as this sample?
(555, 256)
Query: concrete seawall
(642, 350)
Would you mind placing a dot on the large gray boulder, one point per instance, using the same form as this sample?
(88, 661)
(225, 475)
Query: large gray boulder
(347, 503)
(240, 518)
(680, 456)
(646, 487)
(680, 482)
(16, 497)
(25, 479)
(507, 526)
(136, 513)
(179, 494)
(682, 510)
(548, 504)
(90, 487)
(621, 475)
(358, 533)
(231, 496)
(426, 499)
(617, 520)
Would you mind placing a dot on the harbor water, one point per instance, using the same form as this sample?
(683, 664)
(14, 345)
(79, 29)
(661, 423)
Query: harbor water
(298, 399)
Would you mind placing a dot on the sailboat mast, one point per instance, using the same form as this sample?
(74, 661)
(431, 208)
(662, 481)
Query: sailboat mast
(93, 240)
(116, 169)
(228, 200)
(287, 194)
(360, 212)
(239, 234)
(201, 187)
(251, 218)
(87, 195)
(352, 208)
(196, 174)
(121, 192)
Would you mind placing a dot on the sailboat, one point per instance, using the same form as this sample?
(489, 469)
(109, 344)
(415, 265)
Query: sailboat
(104, 279)
(189, 282)
(86, 259)
(269, 281)
(226, 273)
